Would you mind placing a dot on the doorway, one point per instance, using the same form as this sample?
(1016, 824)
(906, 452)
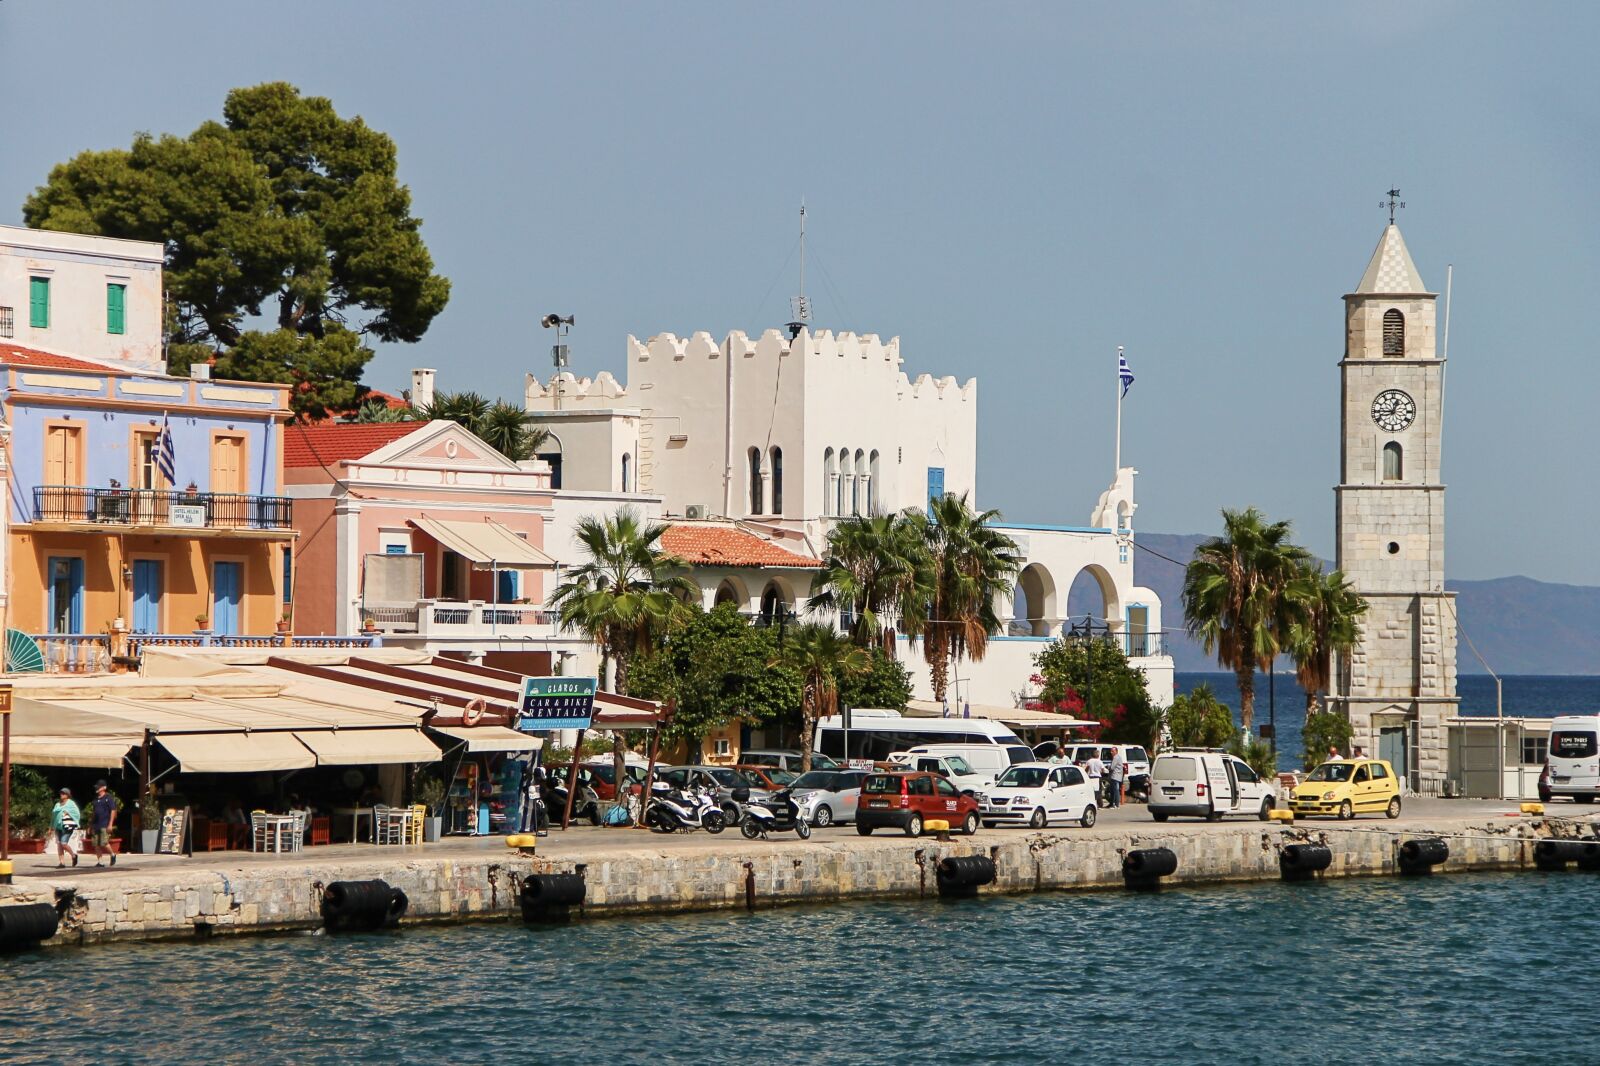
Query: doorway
(147, 595)
(66, 594)
(226, 585)
(1392, 749)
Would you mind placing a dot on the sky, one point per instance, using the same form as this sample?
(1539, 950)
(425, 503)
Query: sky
(1013, 190)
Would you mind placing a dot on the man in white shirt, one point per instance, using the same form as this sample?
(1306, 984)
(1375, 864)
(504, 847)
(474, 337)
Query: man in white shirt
(1096, 771)
(1119, 773)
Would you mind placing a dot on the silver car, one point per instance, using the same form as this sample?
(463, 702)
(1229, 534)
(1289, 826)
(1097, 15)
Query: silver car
(828, 797)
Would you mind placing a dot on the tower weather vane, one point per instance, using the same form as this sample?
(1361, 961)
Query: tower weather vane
(1391, 203)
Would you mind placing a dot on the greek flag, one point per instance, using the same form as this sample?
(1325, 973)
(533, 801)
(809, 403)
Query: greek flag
(1123, 373)
(164, 454)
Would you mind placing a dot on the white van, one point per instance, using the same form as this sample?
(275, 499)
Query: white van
(988, 761)
(947, 762)
(1575, 756)
(1206, 784)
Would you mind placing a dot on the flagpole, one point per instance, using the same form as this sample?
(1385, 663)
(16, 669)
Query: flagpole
(1116, 466)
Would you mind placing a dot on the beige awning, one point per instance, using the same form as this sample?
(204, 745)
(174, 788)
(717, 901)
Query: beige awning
(70, 751)
(1013, 716)
(232, 753)
(360, 747)
(487, 543)
(491, 738)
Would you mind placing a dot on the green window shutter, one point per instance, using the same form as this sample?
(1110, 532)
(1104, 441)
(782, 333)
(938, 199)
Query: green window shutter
(39, 303)
(116, 303)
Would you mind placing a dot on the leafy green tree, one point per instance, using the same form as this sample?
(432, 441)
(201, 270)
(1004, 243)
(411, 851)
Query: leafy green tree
(885, 683)
(823, 659)
(1095, 673)
(626, 594)
(508, 429)
(466, 409)
(1258, 754)
(970, 564)
(372, 411)
(283, 210)
(876, 574)
(1235, 597)
(1197, 719)
(1324, 730)
(1325, 628)
(716, 667)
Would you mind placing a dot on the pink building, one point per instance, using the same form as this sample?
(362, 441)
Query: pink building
(425, 532)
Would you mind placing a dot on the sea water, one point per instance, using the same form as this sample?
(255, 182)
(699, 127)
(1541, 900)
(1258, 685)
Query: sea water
(1474, 968)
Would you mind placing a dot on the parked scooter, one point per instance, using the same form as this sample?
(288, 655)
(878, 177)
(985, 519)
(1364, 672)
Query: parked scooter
(691, 808)
(585, 805)
(781, 817)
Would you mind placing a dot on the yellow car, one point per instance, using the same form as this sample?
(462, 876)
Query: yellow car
(1347, 788)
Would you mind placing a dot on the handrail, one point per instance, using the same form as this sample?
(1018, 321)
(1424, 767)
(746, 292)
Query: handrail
(157, 507)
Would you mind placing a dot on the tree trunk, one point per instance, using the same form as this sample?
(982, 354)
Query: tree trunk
(939, 673)
(808, 729)
(1246, 676)
(1311, 702)
(619, 765)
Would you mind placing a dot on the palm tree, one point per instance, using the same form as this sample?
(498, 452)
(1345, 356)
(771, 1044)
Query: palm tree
(1235, 597)
(378, 411)
(823, 658)
(510, 430)
(625, 596)
(1324, 630)
(970, 564)
(876, 573)
(463, 408)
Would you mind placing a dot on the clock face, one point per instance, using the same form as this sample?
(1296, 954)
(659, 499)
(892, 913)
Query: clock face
(1393, 410)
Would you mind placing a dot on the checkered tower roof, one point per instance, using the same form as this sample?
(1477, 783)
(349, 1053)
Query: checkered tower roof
(1391, 270)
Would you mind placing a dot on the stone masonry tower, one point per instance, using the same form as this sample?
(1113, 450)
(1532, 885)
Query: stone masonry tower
(1400, 684)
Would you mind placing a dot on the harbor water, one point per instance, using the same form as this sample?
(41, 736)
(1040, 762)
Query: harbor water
(1455, 968)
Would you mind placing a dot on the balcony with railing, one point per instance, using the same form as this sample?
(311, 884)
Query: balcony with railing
(460, 619)
(89, 653)
(119, 507)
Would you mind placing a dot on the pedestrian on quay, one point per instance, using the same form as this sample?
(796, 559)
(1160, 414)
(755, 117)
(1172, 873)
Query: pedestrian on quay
(102, 815)
(1359, 752)
(1119, 773)
(1333, 754)
(64, 819)
(1096, 770)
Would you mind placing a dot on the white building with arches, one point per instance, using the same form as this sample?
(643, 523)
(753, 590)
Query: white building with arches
(778, 437)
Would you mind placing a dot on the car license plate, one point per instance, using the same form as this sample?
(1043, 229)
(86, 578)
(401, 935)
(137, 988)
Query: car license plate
(1172, 790)
(1562, 777)
(877, 803)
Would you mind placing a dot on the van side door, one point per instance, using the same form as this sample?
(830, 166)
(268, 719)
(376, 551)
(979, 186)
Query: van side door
(1219, 783)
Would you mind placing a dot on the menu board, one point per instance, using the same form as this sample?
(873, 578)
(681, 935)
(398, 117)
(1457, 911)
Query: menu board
(174, 821)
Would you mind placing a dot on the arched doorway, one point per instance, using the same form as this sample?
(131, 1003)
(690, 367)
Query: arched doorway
(1035, 606)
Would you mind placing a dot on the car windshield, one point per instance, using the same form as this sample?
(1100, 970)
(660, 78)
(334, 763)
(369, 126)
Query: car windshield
(732, 778)
(820, 761)
(1332, 771)
(605, 772)
(780, 778)
(958, 764)
(815, 779)
(1023, 777)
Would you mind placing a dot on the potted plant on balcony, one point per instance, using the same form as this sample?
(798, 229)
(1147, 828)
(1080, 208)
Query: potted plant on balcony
(30, 811)
(202, 623)
(369, 624)
(286, 622)
(430, 793)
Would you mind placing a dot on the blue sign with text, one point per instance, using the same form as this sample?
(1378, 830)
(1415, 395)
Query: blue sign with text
(556, 703)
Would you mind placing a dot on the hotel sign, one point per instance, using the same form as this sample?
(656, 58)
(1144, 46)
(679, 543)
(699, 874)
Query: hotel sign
(556, 703)
(188, 514)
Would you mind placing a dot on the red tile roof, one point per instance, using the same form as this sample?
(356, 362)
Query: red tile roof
(15, 355)
(332, 442)
(712, 545)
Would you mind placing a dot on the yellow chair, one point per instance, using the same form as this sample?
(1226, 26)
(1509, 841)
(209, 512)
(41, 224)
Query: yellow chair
(414, 826)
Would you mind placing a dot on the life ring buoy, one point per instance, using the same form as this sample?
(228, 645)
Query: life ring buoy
(474, 710)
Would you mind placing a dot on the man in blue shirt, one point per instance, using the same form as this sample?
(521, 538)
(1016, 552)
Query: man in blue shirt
(102, 814)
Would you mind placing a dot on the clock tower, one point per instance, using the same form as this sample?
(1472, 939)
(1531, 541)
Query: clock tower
(1400, 683)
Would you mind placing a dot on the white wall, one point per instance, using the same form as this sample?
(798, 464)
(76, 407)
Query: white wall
(79, 268)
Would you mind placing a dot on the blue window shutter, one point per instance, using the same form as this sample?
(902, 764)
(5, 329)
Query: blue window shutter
(935, 484)
(508, 586)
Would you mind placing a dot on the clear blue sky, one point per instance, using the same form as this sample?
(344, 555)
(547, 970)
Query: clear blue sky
(1013, 190)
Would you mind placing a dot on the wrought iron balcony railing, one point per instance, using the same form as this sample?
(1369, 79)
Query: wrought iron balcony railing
(150, 507)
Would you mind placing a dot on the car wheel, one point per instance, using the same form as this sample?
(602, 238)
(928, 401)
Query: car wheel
(732, 813)
(1087, 821)
(1213, 816)
(1159, 816)
(1394, 808)
(1266, 810)
(988, 825)
(863, 830)
(970, 826)
(1347, 811)
(1039, 819)
(1584, 799)
(823, 818)
(914, 826)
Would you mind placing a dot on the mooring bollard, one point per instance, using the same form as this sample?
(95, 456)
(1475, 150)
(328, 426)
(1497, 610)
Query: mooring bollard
(1417, 858)
(364, 906)
(551, 897)
(1143, 869)
(24, 925)
(959, 876)
(1302, 862)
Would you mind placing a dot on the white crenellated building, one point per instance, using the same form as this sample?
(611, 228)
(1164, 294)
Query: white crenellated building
(782, 435)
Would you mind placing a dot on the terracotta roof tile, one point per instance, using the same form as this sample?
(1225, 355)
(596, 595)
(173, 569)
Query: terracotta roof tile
(15, 355)
(713, 545)
(332, 442)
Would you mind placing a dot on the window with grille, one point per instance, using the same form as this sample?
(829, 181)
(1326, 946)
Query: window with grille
(1394, 333)
(1535, 750)
(8, 322)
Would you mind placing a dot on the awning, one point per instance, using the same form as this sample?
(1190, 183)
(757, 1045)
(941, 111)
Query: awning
(1013, 716)
(232, 753)
(359, 747)
(69, 751)
(491, 738)
(488, 544)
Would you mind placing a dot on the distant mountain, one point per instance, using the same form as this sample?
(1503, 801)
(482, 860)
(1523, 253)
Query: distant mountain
(1521, 626)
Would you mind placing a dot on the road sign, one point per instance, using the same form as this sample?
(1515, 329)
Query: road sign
(556, 703)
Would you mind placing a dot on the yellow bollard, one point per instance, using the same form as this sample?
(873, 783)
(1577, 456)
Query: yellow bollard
(5, 871)
(1533, 808)
(1280, 816)
(936, 825)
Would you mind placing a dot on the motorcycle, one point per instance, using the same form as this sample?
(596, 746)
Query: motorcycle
(782, 815)
(691, 808)
(585, 805)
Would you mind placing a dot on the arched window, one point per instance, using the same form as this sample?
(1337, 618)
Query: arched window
(1394, 334)
(1393, 462)
(627, 472)
(873, 488)
(846, 484)
(755, 481)
(830, 478)
(777, 479)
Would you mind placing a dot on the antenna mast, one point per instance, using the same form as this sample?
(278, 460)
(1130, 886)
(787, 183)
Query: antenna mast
(799, 304)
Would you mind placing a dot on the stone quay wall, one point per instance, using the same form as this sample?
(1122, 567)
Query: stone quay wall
(272, 897)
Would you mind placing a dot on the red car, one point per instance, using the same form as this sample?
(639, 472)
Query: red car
(907, 801)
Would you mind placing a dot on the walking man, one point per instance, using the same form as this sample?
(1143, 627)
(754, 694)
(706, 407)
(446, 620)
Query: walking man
(64, 818)
(1119, 771)
(102, 814)
(1096, 770)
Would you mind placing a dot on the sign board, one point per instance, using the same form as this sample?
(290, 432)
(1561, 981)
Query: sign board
(174, 820)
(5, 699)
(187, 514)
(556, 703)
(861, 764)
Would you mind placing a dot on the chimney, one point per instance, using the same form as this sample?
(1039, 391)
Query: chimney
(422, 388)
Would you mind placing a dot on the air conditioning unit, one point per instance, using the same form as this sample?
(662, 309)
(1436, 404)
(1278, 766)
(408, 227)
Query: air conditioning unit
(695, 511)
